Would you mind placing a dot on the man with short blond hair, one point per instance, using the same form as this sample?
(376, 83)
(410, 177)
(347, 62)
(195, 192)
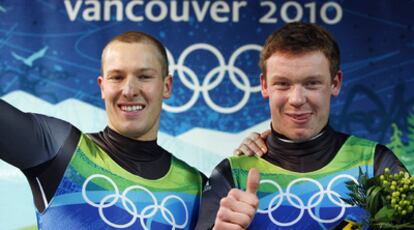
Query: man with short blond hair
(119, 177)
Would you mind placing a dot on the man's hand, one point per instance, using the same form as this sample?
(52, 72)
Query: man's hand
(254, 144)
(238, 209)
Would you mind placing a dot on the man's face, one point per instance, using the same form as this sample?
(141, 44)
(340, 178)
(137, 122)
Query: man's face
(133, 88)
(299, 88)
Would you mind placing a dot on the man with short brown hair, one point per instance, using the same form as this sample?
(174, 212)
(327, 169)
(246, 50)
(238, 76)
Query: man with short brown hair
(303, 174)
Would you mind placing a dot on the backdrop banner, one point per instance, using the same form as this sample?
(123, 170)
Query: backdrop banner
(50, 61)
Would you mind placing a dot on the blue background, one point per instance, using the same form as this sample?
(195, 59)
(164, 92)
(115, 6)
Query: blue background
(376, 39)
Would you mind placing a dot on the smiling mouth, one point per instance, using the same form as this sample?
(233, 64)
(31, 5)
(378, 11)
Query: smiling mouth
(131, 108)
(300, 117)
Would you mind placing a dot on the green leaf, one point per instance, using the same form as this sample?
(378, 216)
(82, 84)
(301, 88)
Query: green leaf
(374, 201)
(385, 214)
(374, 191)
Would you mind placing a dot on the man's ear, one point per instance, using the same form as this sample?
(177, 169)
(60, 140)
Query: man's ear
(263, 85)
(337, 84)
(101, 86)
(167, 91)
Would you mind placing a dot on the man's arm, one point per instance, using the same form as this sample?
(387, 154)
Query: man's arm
(217, 187)
(28, 140)
(385, 158)
(223, 206)
(38, 145)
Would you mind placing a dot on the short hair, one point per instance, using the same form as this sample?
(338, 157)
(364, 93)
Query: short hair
(300, 38)
(143, 38)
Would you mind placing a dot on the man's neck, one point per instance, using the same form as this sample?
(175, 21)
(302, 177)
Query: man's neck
(286, 139)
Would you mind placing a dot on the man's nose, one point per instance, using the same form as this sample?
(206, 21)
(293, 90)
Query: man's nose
(131, 88)
(297, 96)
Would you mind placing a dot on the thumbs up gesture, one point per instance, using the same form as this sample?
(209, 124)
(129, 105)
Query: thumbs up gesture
(238, 208)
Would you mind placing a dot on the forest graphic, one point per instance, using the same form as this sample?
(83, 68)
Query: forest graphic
(404, 150)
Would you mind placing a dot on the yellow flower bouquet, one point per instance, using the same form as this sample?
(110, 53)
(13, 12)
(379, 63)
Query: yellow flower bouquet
(388, 199)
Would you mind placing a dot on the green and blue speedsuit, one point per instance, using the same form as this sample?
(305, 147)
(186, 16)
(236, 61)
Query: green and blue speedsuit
(95, 191)
(299, 179)
(309, 200)
(98, 181)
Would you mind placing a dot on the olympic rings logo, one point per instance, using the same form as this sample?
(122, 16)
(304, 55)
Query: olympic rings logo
(207, 84)
(313, 201)
(146, 213)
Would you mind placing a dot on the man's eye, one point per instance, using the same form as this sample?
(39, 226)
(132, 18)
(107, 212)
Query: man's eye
(312, 84)
(115, 77)
(281, 84)
(145, 77)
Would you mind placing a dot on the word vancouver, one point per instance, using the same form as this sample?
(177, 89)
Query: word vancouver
(154, 10)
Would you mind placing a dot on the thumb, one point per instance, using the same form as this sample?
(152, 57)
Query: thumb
(253, 181)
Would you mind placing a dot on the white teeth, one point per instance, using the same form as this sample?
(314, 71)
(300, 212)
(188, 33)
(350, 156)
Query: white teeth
(132, 108)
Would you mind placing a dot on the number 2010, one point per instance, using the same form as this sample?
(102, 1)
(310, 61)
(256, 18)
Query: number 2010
(270, 16)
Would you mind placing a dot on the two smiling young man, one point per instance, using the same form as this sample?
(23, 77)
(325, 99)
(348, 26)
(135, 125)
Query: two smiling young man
(120, 177)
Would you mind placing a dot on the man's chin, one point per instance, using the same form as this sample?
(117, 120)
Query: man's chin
(301, 136)
(130, 131)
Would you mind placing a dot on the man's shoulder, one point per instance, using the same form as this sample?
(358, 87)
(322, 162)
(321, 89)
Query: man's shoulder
(346, 137)
(244, 161)
(352, 139)
(188, 168)
(242, 158)
(184, 165)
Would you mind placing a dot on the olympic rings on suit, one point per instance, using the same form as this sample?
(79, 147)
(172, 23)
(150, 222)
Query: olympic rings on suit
(146, 213)
(296, 202)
